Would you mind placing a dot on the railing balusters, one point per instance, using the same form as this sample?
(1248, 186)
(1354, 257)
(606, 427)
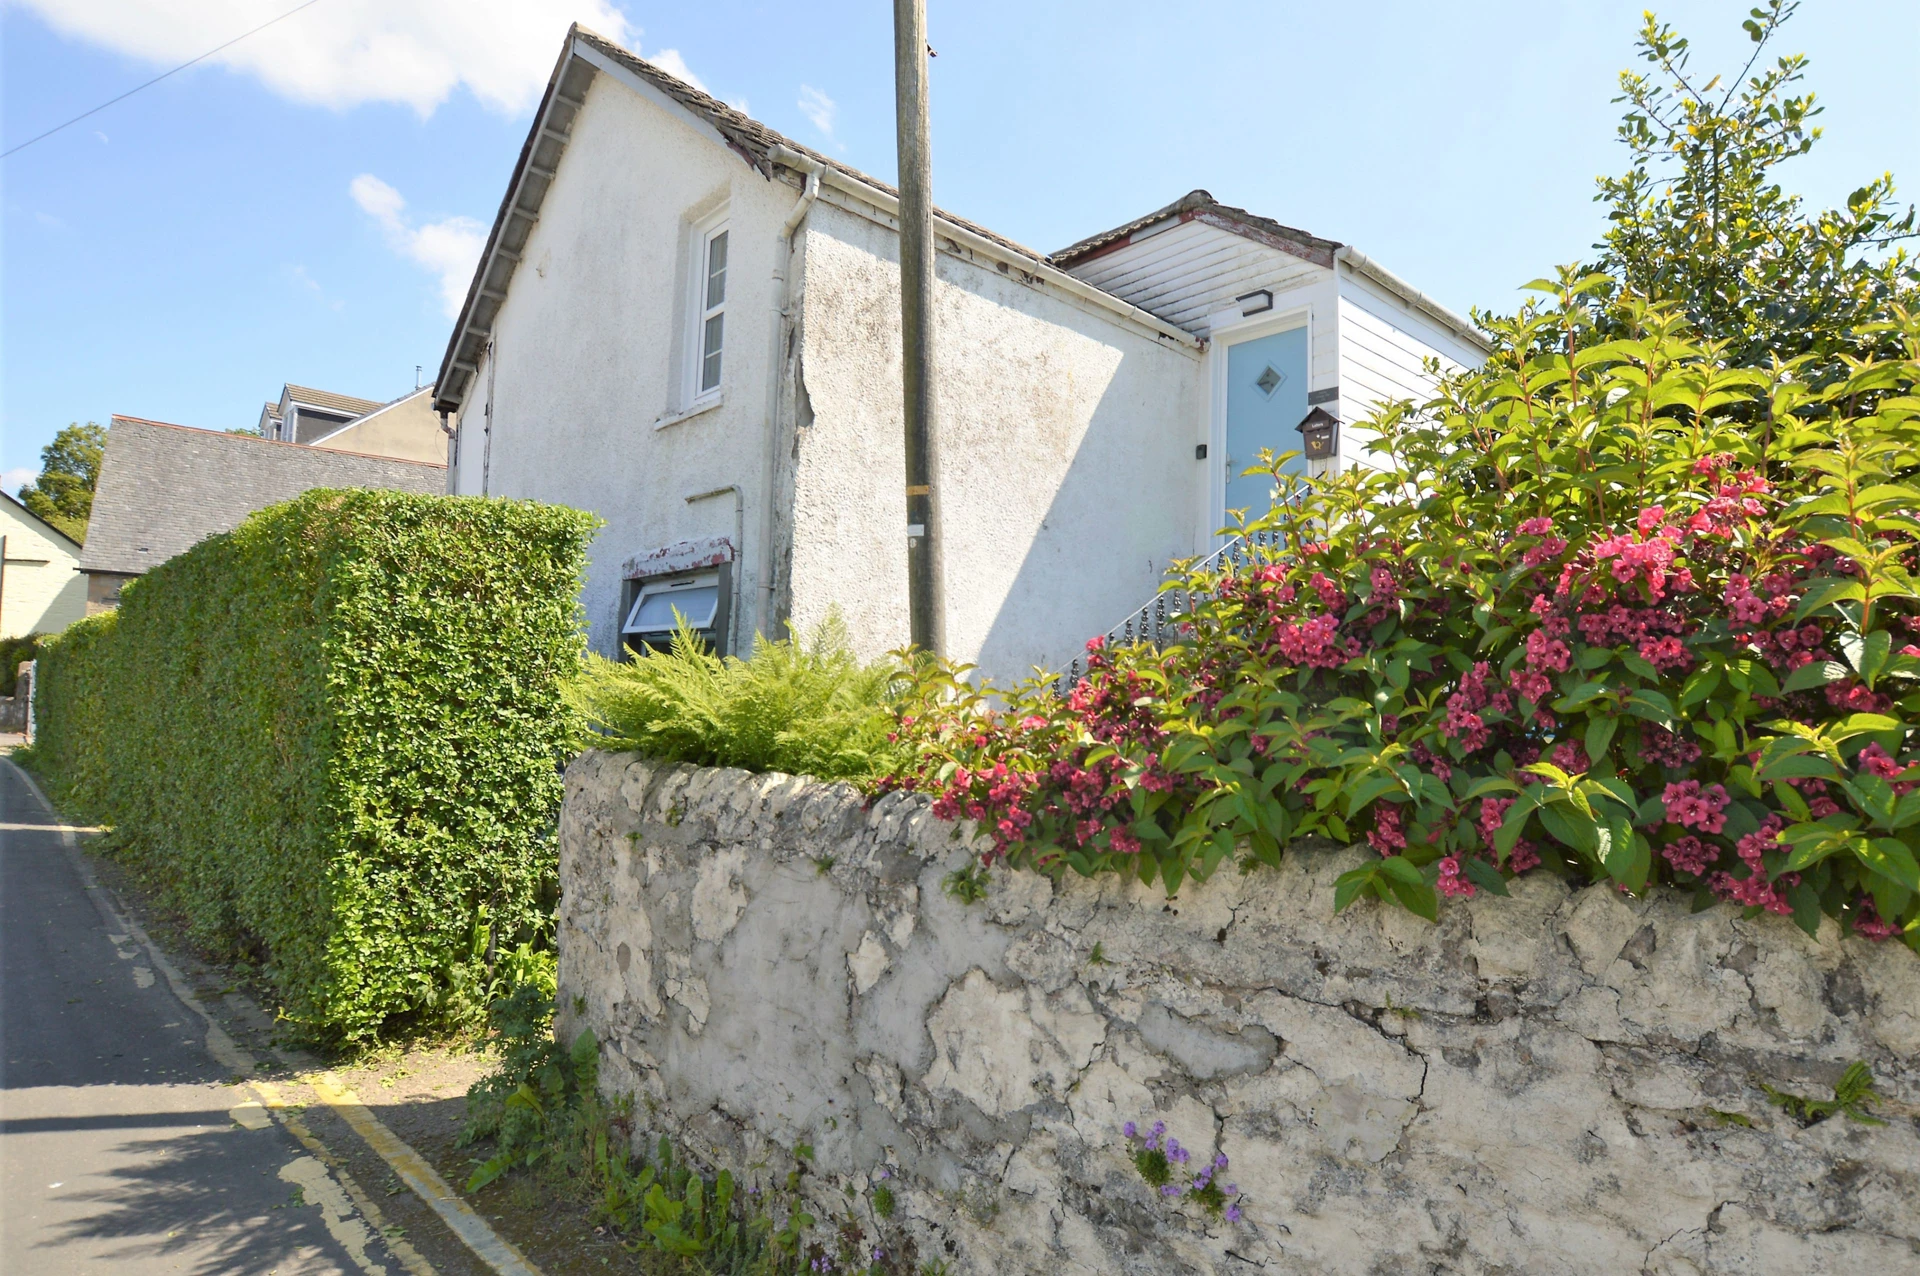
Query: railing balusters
(1152, 622)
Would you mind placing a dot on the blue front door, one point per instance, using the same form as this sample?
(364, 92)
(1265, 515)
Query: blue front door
(1266, 400)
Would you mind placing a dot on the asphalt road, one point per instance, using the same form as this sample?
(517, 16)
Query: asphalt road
(124, 1146)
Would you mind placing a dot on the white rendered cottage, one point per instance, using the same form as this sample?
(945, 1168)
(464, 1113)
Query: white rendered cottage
(690, 325)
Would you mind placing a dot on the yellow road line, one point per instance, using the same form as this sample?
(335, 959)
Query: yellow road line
(397, 1245)
(425, 1181)
(408, 1164)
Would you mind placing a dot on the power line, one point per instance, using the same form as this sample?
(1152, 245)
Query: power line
(156, 79)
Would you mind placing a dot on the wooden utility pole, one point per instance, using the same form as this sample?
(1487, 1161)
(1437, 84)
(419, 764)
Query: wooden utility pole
(916, 308)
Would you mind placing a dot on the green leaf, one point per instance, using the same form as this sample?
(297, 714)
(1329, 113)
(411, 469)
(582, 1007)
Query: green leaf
(1699, 686)
(1581, 696)
(1349, 885)
(1369, 788)
(1600, 735)
(1515, 823)
(1401, 869)
(1625, 853)
(1890, 858)
(1651, 705)
(1421, 900)
(1572, 829)
(1815, 673)
(1485, 875)
(1806, 907)
(1832, 589)
(1868, 655)
(1797, 767)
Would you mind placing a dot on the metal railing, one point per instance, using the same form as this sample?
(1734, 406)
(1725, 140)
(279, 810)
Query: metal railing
(1158, 622)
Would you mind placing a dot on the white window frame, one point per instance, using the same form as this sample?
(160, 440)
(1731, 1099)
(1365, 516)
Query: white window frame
(674, 584)
(699, 313)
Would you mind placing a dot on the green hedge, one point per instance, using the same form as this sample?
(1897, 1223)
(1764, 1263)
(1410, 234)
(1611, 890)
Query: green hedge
(334, 736)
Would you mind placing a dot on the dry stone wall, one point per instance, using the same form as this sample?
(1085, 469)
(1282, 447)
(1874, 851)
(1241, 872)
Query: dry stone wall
(1561, 1081)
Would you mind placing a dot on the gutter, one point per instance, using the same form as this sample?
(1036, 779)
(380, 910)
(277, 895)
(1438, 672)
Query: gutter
(1361, 264)
(1038, 267)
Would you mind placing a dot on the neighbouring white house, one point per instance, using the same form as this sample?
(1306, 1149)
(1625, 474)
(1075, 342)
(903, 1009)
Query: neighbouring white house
(405, 428)
(690, 325)
(41, 588)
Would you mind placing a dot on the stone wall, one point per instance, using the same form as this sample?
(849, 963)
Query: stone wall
(1561, 1081)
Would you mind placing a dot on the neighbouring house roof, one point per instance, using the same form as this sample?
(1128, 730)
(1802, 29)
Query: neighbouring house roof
(379, 410)
(533, 173)
(330, 401)
(45, 526)
(164, 488)
(271, 410)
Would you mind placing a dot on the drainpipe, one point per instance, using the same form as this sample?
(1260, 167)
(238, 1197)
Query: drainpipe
(739, 531)
(776, 370)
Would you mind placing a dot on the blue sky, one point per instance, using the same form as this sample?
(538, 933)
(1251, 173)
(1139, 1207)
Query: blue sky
(301, 209)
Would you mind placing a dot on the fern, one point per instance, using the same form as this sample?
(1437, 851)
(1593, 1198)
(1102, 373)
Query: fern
(1851, 1098)
(804, 707)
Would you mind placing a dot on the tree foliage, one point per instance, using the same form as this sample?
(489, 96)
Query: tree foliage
(1700, 217)
(69, 469)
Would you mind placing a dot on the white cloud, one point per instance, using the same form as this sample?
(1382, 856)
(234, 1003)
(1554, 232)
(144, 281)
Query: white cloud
(819, 108)
(342, 53)
(449, 248)
(15, 479)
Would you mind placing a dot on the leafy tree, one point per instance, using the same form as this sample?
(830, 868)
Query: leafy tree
(1700, 218)
(69, 467)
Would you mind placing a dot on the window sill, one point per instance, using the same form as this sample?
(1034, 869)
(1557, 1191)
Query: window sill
(701, 408)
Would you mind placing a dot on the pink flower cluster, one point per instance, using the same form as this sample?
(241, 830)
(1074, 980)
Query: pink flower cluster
(1386, 836)
(1691, 806)
(1314, 643)
(1755, 890)
(1451, 882)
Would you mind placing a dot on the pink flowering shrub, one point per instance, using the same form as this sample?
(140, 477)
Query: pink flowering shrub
(1615, 613)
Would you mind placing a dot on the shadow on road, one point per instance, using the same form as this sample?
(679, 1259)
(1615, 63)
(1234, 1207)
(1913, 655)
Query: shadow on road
(163, 1204)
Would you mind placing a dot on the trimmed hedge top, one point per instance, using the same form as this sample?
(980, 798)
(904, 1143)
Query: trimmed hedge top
(338, 730)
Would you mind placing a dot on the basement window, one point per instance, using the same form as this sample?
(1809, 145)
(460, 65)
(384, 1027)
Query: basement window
(658, 604)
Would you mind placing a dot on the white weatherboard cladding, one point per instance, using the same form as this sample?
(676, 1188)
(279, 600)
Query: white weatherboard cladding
(588, 348)
(1384, 344)
(1193, 271)
(1063, 458)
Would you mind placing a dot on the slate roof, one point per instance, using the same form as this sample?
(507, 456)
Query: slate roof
(327, 399)
(1201, 205)
(164, 488)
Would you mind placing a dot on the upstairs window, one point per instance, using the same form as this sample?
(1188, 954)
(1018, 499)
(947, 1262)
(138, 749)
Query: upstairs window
(710, 322)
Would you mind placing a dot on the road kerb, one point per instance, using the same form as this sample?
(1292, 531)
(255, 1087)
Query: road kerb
(425, 1181)
(409, 1165)
(410, 1258)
